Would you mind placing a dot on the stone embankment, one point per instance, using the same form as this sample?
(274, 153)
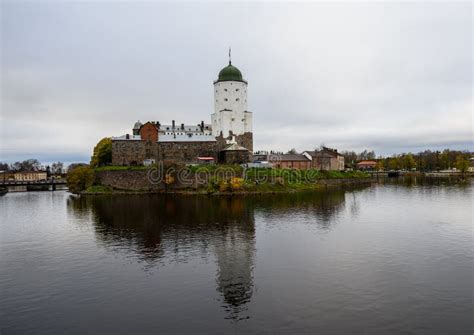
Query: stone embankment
(145, 181)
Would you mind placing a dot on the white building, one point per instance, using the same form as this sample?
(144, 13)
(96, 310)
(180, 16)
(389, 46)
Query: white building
(230, 104)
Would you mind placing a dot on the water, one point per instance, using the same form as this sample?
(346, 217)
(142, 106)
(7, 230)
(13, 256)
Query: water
(387, 259)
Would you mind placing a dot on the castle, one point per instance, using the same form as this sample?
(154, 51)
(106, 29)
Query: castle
(228, 139)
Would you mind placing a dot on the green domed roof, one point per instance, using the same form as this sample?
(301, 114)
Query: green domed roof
(230, 73)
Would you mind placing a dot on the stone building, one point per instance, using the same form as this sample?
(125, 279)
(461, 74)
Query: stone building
(234, 154)
(228, 138)
(290, 161)
(326, 159)
(156, 142)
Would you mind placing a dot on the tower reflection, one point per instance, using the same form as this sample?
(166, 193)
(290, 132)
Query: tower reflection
(158, 228)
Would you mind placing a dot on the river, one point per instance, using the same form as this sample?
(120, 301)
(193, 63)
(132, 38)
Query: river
(391, 258)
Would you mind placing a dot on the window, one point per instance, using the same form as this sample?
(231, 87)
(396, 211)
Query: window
(237, 99)
(236, 89)
(225, 99)
(225, 89)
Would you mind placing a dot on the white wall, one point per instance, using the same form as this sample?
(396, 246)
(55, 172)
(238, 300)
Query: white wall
(230, 109)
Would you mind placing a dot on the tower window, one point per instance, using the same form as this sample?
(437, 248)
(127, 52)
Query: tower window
(236, 89)
(225, 89)
(237, 99)
(225, 99)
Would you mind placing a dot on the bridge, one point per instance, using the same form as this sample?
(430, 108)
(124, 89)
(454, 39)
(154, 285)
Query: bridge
(34, 184)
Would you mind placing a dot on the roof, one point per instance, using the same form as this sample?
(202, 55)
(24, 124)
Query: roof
(327, 151)
(177, 127)
(124, 138)
(230, 73)
(235, 147)
(288, 157)
(186, 138)
(367, 163)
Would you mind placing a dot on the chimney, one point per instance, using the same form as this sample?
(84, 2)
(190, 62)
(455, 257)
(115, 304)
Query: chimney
(182, 126)
(127, 137)
(172, 124)
(158, 124)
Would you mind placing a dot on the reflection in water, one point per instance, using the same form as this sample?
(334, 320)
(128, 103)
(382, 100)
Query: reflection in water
(162, 228)
(159, 228)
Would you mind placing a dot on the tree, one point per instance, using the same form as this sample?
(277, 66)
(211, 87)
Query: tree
(292, 151)
(444, 160)
(4, 166)
(72, 166)
(371, 155)
(350, 159)
(393, 163)
(102, 153)
(380, 165)
(31, 164)
(80, 178)
(409, 162)
(57, 168)
(462, 164)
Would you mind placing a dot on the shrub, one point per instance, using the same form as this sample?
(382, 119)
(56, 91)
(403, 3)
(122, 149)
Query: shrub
(236, 183)
(79, 179)
(223, 186)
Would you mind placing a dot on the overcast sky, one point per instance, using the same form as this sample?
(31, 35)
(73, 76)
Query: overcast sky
(392, 77)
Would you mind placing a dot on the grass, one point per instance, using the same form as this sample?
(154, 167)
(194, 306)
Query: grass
(304, 175)
(99, 189)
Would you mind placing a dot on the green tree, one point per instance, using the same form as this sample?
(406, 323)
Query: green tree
(409, 162)
(80, 178)
(102, 153)
(444, 160)
(394, 163)
(462, 164)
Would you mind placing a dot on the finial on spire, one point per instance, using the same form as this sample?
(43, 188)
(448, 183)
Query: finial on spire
(230, 58)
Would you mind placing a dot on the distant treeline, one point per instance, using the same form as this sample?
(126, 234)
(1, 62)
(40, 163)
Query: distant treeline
(422, 161)
(32, 164)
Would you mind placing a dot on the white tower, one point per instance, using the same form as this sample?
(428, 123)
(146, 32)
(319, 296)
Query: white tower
(230, 104)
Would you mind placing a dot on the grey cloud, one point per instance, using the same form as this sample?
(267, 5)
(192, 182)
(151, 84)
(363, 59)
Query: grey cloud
(383, 76)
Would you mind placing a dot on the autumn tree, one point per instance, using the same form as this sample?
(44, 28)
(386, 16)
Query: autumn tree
(80, 178)
(102, 154)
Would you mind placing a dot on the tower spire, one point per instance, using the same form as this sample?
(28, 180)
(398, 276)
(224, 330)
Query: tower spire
(230, 58)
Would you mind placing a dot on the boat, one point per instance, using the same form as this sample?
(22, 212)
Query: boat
(3, 191)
